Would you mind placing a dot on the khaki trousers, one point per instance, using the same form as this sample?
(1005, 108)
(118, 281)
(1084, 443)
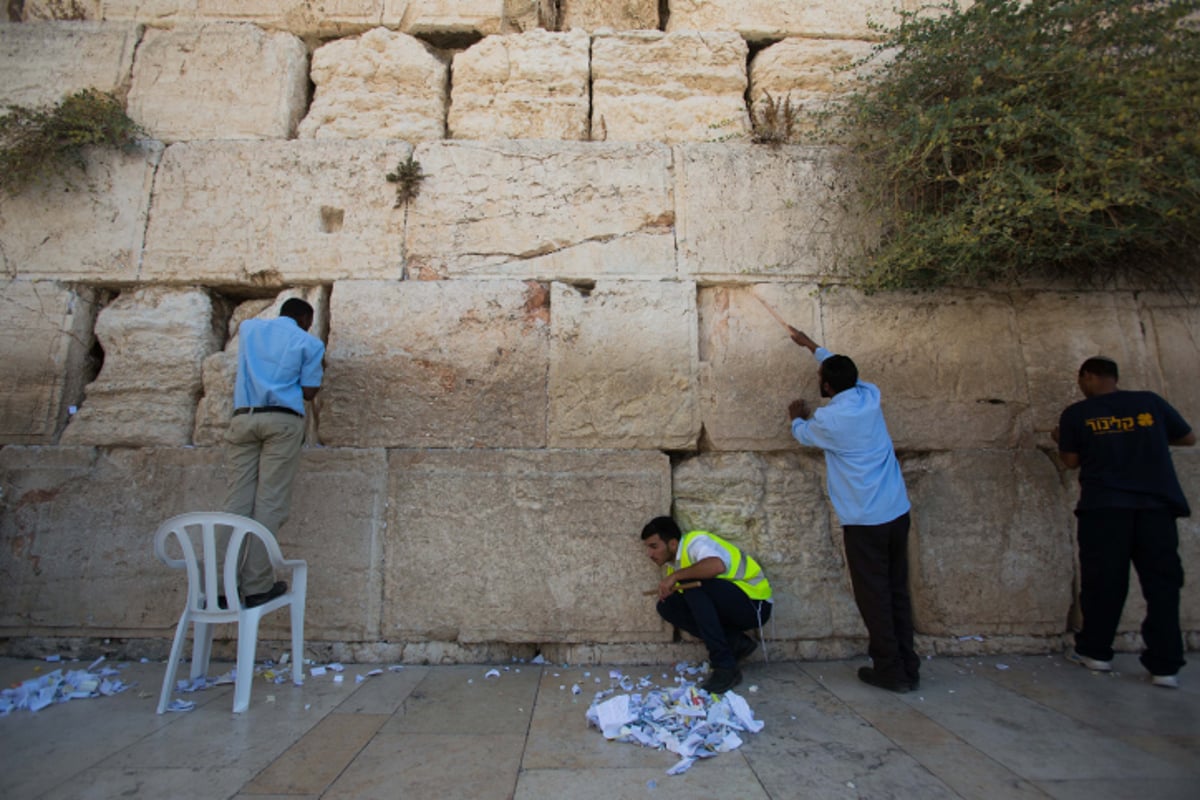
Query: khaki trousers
(262, 453)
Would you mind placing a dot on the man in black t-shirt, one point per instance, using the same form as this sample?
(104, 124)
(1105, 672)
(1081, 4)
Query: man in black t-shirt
(1128, 502)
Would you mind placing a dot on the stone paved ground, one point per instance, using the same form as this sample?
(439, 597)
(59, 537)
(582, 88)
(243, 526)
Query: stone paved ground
(992, 727)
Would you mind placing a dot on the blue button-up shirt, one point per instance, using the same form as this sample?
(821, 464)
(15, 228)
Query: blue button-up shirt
(276, 357)
(865, 482)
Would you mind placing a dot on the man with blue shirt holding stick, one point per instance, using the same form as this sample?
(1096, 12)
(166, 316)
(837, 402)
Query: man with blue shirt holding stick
(868, 494)
(278, 368)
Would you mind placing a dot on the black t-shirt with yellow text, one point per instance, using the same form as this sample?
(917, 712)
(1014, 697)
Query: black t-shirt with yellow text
(1122, 439)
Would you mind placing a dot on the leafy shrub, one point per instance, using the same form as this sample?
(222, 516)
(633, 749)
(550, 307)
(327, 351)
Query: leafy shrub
(407, 177)
(36, 140)
(773, 121)
(1046, 137)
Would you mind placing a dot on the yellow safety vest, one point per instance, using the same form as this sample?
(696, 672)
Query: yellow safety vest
(743, 570)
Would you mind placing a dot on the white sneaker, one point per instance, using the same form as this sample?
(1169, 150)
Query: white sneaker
(1165, 681)
(1094, 664)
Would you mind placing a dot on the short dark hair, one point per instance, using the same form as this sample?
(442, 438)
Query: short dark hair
(296, 308)
(1100, 365)
(663, 527)
(839, 372)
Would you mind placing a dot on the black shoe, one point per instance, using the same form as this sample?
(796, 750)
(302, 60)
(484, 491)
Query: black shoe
(869, 676)
(722, 679)
(744, 647)
(254, 600)
(914, 683)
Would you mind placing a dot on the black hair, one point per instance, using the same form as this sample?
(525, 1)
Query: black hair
(296, 308)
(663, 527)
(839, 372)
(1100, 365)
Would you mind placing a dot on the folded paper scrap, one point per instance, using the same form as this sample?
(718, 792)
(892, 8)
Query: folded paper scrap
(59, 687)
(684, 719)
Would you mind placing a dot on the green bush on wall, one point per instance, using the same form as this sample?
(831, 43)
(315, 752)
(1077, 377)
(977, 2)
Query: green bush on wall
(50, 139)
(1039, 138)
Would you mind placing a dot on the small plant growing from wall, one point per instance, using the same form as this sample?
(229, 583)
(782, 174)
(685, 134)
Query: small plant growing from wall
(407, 176)
(773, 121)
(36, 141)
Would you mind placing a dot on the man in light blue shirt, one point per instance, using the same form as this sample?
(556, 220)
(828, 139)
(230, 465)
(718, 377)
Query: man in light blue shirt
(278, 368)
(867, 490)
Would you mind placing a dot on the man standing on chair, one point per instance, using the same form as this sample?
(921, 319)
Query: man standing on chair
(867, 490)
(730, 595)
(1128, 501)
(278, 368)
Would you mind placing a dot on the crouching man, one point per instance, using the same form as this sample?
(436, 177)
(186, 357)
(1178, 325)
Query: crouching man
(728, 595)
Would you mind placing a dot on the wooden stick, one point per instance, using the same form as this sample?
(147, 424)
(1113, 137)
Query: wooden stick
(686, 585)
(773, 313)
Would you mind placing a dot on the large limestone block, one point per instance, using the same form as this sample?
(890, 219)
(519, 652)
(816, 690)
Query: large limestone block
(774, 507)
(220, 369)
(155, 341)
(810, 75)
(680, 87)
(43, 62)
(156, 11)
(273, 213)
(623, 366)
(77, 555)
(543, 210)
(522, 86)
(991, 550)
(85, 224)
(1173, 330)
(44, 346)
(759, 20)
(1060, 330)
(949, 365)
(457, 18)
(522, 545)
(750, 211)
(307, 18)
(59, 10)
(750, 369)
(219, 81)
(620, 15)
(381, 85)
(436, 364)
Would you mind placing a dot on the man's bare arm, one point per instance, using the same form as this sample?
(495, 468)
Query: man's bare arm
(1185, 441)
(801, 338)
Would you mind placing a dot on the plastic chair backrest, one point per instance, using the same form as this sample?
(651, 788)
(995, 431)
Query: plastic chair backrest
(202, 576)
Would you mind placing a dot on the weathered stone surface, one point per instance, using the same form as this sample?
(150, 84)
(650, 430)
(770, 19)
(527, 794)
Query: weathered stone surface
(436, 364)
(750, 369)
(1173, 332)
(44, 345)
(220, 369)
(155, 341)
(77, 535)
(949, 366)
(302, 17)
(458, 17)
(620, 15)
(75, 10)
(274, 213)
(774, 507)
(158, 11)
(43, 62)
(1060, 330)
(542, 517)
(759, 20)
(83, 224)
(219, 81)
(797, 197)
(522, 86)
(549, 211)
(990, 551)
(381, 85)
(623, 364)
(679, 87)
(807, 74)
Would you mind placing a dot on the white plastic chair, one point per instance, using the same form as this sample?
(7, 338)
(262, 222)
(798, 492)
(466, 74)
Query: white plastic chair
(200, 529)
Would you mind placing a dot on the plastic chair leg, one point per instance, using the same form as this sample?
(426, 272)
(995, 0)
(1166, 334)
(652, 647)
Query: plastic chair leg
(201, 648)
(297, 612)
(247, 644)
(173, 662)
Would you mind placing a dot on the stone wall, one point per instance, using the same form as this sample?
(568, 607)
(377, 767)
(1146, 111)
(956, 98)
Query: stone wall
(563, 334)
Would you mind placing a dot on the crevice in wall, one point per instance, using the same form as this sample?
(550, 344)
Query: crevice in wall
(15, 10)
(664, 14)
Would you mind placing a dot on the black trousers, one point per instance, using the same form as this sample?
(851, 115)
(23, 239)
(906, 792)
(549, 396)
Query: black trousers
(877, 556)
(716, 612)
(1109, 540)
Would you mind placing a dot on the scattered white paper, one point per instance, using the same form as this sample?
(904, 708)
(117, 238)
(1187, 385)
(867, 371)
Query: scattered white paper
(180, 705)
(538, 659)
(1002, 666)
(59, 687)
(492, 673)
(317, 672)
